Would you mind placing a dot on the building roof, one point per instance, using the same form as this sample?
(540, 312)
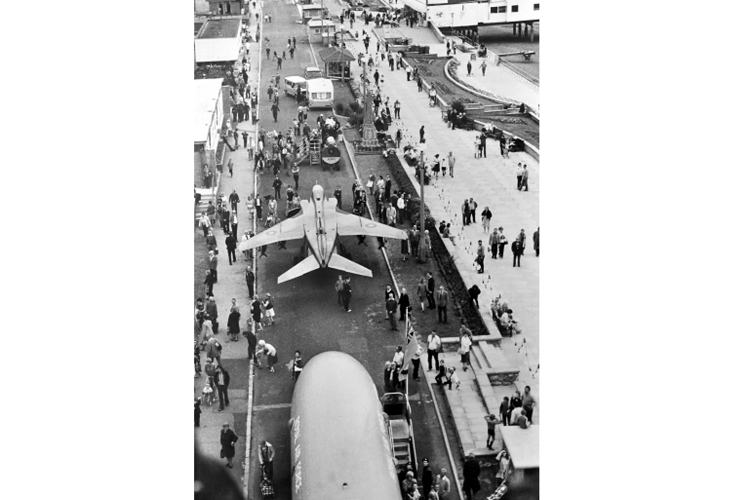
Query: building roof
(220, 28)
(336, 54)
(206, 92)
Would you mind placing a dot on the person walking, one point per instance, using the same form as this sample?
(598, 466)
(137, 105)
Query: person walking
(227, 439)
(339, 287)
(481, 257)
(427, 478)
(516, 253)
(536, 242)
(231, 244)
(422, 292)
(485, 217)
(416, 363)
(519, 176)
(442, 301)
(523, 182)
(252, 339)
(434, 348)
(404, 304)
(233, 324)
(471, 472)
(450, 161)
(249, 279)
(430, 284)
(493, 241)
(528, 403)
(269, 309)
(391, 310)
(213, 266)
(266, 459)
(346, 294)
(222, 379)
(483, 67)
(275, 110)
(466, 342)
(523, 240)
(256, 313)
(469, 68)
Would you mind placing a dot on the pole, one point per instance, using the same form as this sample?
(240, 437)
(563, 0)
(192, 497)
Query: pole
(422, 241)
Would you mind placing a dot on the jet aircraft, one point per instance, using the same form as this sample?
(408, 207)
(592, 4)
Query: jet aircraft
(320, 222)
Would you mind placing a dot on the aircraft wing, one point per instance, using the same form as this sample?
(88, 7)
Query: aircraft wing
(353, 225)
(288, 229)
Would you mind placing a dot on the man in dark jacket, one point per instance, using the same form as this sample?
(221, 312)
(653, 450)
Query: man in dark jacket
(346, 294)
(234, 200)
(252, 339)
(391, 310)
(427, 478)
(404, 304)
(222, 379)
(231, 244)
(471, 471)
(277, 185)
(517, 253)
(430, 290)
(227, 439)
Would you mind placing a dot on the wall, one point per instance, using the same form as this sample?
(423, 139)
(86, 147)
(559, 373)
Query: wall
(201, 7)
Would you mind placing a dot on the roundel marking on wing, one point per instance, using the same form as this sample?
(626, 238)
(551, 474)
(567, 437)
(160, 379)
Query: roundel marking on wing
(271, 232)
(370, 225)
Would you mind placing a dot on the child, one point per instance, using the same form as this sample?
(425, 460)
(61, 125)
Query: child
(208, 392)
(454, 379)
(492, 422)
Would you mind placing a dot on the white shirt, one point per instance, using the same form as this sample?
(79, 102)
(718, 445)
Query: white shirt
(434, 341)
(418, 353)
(399, 357)
(401, 203)
(270, 350)
(465, 344)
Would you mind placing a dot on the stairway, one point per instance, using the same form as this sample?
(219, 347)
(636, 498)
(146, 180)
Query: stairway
(400, 441)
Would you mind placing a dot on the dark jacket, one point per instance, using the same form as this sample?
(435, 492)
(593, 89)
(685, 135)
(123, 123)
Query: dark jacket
(233, 322)
(230, 242)
(227, 439)
(226, 375)
(391, 305)
(404, 301)
(346, 290)
(471, 471)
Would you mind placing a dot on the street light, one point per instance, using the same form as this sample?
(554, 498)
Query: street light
(422, 241)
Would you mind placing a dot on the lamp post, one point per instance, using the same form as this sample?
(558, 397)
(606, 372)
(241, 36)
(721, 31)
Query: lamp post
(422, 240)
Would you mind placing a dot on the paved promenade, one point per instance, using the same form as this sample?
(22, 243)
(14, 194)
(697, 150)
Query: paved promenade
(491, 182)
(498, 81)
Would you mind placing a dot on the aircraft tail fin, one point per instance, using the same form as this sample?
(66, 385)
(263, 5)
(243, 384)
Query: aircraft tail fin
(341, 263)
(305, 266)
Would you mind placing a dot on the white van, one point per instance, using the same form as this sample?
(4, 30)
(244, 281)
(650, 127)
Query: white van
(320, 93)
(292, 83)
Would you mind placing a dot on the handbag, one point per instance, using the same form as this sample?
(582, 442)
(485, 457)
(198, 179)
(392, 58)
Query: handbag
(221, 453)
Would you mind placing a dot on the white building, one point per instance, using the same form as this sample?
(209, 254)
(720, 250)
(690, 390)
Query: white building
(464, 13)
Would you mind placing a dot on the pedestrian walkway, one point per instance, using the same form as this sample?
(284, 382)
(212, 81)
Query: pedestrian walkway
(490, 182)
(231, 284)
(499, 81)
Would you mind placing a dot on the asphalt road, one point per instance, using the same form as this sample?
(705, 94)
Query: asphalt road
(308, 317)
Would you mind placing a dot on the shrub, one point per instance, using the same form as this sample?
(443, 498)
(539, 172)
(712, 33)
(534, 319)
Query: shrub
(356, 107)
(339, 108)
(458, 106)
(356, 120)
